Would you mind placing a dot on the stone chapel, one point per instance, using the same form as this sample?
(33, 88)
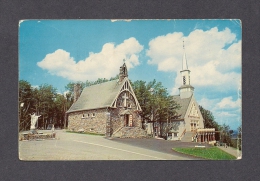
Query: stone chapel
(110, 108)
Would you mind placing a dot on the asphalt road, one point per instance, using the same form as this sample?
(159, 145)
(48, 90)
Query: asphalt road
(73, 146)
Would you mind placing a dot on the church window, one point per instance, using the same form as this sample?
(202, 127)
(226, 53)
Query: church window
(184, 80)
(194, 111)
(93, 114)
(129, 105)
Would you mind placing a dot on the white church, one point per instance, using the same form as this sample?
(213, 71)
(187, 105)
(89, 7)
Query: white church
(190, 124)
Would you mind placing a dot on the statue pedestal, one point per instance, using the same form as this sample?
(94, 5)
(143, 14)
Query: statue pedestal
(33, 131)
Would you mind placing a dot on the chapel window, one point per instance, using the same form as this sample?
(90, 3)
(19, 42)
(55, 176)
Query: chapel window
(184, 80)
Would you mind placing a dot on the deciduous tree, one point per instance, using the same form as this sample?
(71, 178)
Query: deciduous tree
(158, 107)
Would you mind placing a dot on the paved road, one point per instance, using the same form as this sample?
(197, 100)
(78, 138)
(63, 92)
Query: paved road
(73, 146)
(233, 151)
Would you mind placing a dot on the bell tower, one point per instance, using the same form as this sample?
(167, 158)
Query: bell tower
(186, 90)
(123, 72)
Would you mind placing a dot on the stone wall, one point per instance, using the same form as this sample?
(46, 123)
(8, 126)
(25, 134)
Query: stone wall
(131, 107)
(131, 132)
(84, 121)
(88, 121)
(116, 120)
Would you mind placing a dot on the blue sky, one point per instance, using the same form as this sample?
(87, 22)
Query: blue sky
(57, 52)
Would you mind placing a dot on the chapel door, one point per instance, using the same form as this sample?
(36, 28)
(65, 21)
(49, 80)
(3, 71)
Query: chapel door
(126, 119)
(129, 120)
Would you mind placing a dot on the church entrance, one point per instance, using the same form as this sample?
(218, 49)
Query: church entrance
(129, 120)
(193, 125)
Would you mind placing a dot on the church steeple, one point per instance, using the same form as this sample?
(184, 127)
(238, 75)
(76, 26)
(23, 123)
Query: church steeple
(123, 72)
(184, 60)
(186, 90)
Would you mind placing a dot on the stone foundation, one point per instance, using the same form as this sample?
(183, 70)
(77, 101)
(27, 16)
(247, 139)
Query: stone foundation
(31, 136)
(131, 132)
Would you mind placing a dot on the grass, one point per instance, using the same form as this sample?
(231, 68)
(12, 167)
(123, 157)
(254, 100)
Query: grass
(212, 153)
(88, 133)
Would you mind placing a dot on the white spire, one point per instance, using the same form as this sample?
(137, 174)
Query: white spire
(184, 60)
(186, 90)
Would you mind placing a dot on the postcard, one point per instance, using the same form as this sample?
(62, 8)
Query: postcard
(130, 89)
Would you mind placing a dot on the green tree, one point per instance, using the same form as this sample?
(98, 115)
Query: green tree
(61, 105)
(226, 134)
(209, 121)
(239, 137)
(158, 107)
(44, 98)
(25, 104)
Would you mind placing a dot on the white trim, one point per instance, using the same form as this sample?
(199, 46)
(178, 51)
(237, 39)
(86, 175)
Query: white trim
(126, 81)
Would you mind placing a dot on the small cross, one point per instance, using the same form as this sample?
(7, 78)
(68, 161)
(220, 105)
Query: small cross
(125, 97)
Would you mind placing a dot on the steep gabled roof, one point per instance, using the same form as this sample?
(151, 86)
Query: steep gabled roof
(97, 96)
(184, 104)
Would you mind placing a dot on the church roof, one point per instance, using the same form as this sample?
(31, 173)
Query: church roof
(97, 96)
(184, 104)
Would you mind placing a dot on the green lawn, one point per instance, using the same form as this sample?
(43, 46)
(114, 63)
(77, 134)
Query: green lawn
(212, 153)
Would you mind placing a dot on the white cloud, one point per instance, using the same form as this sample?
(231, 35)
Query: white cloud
(208, 104)
(207, 75)
(228, 103)
(35, 87)
(225, 110)
(233, 119)
(213, 57)
(104, 64)
(227, 114)
(163, 51)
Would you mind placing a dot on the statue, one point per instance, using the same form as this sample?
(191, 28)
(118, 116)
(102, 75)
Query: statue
(34, 119)
(52, 129)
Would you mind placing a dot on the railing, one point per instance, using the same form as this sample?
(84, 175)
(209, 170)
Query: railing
(183, 133)
(117, 130)
(206, 130)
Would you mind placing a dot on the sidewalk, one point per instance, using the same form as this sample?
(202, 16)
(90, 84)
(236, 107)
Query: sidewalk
(233, 151)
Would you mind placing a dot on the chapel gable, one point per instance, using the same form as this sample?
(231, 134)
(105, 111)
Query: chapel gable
(194, 113)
